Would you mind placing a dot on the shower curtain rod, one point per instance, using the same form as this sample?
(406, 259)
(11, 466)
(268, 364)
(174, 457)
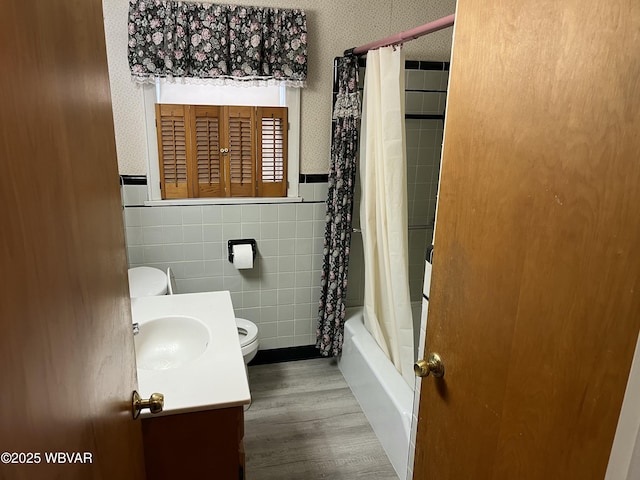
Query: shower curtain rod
(405, 36)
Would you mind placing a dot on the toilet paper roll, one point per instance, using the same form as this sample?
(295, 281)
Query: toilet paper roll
(242, 256)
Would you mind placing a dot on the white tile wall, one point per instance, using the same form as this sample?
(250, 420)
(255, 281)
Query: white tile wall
(134, 194)
(280, 294)
(426, 79)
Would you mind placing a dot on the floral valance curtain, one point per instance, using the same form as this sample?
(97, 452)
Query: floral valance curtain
(224, 43)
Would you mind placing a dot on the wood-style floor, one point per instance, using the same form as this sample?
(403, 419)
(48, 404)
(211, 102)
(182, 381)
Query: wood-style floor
(305, 424)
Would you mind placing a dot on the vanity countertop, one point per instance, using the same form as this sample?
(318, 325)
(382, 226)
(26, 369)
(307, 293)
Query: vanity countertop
(215, 379)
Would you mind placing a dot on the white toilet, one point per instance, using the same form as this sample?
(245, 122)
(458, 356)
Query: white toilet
(248, 334)
(148, 281)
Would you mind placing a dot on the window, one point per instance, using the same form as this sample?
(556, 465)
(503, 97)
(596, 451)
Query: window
(222, 151)
(208, 96)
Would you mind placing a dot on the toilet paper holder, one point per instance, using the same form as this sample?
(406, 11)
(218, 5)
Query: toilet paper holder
(245, 241)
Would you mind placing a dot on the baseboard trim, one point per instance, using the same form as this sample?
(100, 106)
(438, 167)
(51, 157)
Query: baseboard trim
(289, 354)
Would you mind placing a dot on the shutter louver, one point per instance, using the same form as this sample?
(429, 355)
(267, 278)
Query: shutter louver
(272, 151)
(241, 152)
(208, 168)
(173, 150)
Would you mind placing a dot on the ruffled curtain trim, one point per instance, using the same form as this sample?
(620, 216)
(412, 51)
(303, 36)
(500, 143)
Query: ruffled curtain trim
(347, 105)
(221, 81)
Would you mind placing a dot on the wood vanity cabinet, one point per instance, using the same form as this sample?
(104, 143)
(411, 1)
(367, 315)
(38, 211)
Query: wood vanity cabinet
(202, 445)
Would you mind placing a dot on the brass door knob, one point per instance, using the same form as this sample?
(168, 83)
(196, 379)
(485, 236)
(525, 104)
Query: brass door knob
(155, 403)
(433, 365)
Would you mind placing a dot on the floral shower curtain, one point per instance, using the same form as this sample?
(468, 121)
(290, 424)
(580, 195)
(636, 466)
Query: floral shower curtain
(220, 43)
(337, 236)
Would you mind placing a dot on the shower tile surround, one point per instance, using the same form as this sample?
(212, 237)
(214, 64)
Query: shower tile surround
(280, 294)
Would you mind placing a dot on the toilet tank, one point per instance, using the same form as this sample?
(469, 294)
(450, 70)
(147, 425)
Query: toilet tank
(147, 282)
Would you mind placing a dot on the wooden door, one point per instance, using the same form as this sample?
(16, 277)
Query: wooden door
(67, 367)
(535, 297)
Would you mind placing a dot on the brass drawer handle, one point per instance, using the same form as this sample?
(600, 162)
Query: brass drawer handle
(155, 403)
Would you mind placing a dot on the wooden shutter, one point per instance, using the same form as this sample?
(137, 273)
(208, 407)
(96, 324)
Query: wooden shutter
(206, 163)
(241, 156)
(215, 151)
(272, 129)
(173, 150)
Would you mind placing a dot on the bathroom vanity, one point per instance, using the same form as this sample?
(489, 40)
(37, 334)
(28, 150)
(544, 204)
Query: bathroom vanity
(187, 349)
(204, 444)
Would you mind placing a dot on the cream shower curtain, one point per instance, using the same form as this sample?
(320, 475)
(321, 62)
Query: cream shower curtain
(383, 208)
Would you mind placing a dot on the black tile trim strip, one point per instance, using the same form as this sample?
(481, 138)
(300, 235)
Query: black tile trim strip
(423, 116)
(314, 178)
(415, 65)
(289, 354)
(443, 66)
(133, 179)
(304, 178)
(424, 91)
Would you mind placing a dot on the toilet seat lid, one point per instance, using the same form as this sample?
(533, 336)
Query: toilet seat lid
(147, 282)
(250, 328)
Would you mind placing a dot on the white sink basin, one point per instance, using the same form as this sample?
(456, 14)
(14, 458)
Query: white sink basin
(170, 342)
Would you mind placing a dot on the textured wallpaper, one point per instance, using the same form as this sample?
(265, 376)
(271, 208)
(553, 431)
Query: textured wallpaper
(333, 26)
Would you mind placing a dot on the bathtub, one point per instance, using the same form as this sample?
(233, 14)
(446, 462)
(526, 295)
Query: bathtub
(383, 395)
